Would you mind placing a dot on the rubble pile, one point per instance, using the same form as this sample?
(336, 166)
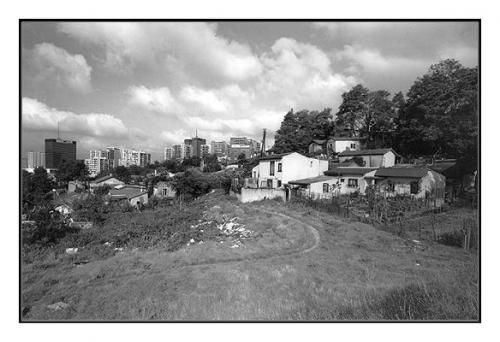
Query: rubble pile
(227, 225)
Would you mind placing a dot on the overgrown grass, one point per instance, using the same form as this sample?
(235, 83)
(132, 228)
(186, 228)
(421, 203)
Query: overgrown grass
(356, 273)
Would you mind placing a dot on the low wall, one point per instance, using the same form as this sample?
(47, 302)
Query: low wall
(251, 195)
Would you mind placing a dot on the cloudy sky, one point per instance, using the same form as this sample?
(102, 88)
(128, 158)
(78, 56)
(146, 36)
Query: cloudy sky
(148, 85)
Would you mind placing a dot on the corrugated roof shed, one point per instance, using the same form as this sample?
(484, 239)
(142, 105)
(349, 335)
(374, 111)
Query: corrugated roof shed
(341, 171)
(102, 179)
(307, 181)
(378, 151)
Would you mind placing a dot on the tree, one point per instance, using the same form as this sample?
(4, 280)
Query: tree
(298, 129)
(349, 118)
(191, 184)
(191, 162)
(71, 170)
(242, 158)
(365, 113)
(122, 173)
(441, 115)
(36, 187)
(211, 163)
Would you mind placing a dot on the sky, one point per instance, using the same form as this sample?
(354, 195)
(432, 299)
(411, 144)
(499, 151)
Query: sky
(148, 85)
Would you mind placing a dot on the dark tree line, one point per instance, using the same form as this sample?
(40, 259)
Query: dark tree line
(437, 118)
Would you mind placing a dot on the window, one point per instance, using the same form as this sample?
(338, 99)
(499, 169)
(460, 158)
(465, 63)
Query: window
(353, 146)
(269, 183)
(342, 180)
(414, 187)
(271, 168)
(279, 167)
(164, 192)
(311, 165)
(255, 174)
(279, 182)
(326, 186)
(390, 186)
(352, 183)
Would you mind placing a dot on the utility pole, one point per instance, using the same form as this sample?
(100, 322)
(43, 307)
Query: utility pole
(263, 147)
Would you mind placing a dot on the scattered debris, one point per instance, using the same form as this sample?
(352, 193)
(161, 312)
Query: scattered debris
(26, 309)
(235, 246)
(416, 241)
(58, 306)
(191, 241)
(200, 243)
(81, 262)
(71, 250)
(119, 249)
(108, 243)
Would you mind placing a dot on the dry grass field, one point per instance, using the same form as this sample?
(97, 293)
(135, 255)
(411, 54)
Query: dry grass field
(286, 262)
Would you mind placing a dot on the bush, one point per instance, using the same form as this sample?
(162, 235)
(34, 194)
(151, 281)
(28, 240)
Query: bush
(454, 238)
(192, 184)
(91, 208)
(49, 227)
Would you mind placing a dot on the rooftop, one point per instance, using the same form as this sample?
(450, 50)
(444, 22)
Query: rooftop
(340, 171)
(307, 181)
(127, 192)
(275, 156)
(104, 178)
(402, 171)
(346, 139)
(378, 151)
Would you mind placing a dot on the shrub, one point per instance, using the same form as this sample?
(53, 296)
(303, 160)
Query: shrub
(454, 238)
(91, 208)
(49, 226)
(191, 184)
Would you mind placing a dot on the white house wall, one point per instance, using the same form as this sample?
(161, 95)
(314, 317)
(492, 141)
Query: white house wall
(341, 146)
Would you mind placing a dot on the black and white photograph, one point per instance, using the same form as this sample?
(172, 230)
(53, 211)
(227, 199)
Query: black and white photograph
(203, 170)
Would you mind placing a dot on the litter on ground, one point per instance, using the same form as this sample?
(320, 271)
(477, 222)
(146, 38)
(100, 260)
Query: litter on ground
(58, 306)
(71, 250)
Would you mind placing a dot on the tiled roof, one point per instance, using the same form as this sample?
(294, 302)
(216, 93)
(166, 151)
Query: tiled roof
(275, 156)
(403, 172)
(311, 180)
(340, 171)
(102, 179)
(377, 151)
(346, 139)
(127, 192)
(318, 141)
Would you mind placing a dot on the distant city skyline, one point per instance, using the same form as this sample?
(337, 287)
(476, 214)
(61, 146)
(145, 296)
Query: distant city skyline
(149, 85)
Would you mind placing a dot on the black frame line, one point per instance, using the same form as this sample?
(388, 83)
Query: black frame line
(478, 20)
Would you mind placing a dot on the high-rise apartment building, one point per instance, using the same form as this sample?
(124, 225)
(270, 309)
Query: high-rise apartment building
(113, 155)
(168, 153)
(97, 165)
(58, 151)
(134, 157)
(239, 145)
(186, 151)
(178, 151)
(36, 159)
(219, 148)
(196, 144)
(205, 150)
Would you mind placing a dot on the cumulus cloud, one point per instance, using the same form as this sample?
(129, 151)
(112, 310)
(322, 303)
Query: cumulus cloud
(154, 99)
(195, 47)
(300, 75)
(37, 115)
(58, 67)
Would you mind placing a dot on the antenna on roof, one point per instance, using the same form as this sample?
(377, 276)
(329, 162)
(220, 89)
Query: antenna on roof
(196, 133)
(58, 130)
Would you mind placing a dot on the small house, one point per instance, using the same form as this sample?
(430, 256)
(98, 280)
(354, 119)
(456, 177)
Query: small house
(276, 170)
(315, 187)
(334, 145)
(348, 180)
(164, 190)
(106, 180)
(133, 194)
(76, 185)
(418, 182)
(382, 157)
